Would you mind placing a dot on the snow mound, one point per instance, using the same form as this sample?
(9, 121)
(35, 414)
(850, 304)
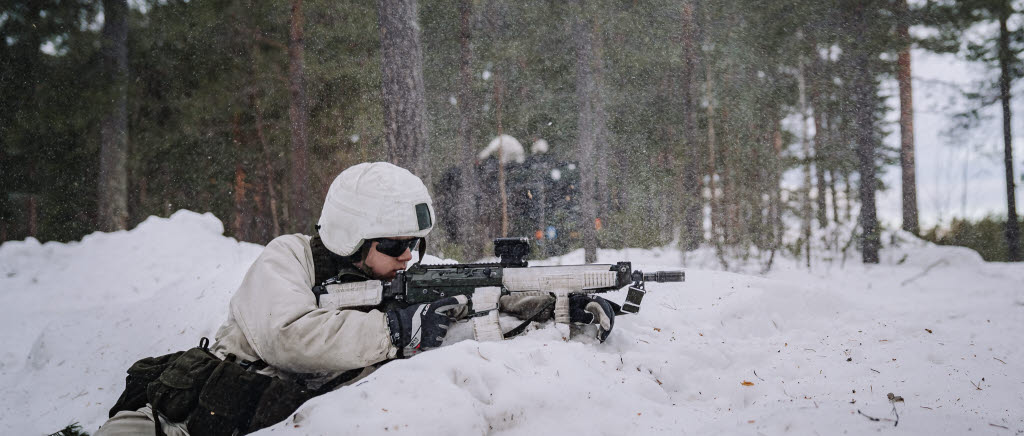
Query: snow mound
(130, 264)
(74, 315)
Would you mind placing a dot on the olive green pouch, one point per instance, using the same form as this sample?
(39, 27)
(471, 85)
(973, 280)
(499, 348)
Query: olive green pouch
(140, 375)
(176, 392)
(227, 400)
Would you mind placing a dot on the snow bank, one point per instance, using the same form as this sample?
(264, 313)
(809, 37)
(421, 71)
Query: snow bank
(75, 315)
(795, 351)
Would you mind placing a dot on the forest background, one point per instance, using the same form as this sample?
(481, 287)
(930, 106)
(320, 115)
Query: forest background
(673, 121)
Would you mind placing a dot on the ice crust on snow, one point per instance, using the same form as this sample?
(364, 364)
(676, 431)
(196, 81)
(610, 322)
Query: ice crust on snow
(931, 324)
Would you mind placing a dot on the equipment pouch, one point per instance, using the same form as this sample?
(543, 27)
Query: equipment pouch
(140, 375)
(213, 397)
(280, 399)
(227, 400)
(176, 392)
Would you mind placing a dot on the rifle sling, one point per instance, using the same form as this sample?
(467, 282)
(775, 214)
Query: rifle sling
(522, 326)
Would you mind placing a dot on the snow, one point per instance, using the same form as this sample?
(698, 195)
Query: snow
(793, 351)
(540, 146)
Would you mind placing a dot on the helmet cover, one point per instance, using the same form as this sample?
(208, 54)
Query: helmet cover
(374, 200)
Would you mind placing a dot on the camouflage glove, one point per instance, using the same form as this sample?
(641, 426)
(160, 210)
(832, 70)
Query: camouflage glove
(591, 309)
(423, 326)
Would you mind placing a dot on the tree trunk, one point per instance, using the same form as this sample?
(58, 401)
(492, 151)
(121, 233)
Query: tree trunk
(903, 76)
(113, 174)
(253, 95)
(693, 232)
(712, 161)
(297, 111)
(239, 221)
(586, 127)
(864, 92)
(821, 197)
(499, 92)
(268, 168)
(848, 186)
(835, 195)
(730, 223)
(776, 173)
(805, 203)
(33, 215)
(405, 134)
(820, 135)
(466, 209)
(602, 147)
(1005, 58)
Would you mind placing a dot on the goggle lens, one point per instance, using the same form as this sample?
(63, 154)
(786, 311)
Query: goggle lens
(395, 247)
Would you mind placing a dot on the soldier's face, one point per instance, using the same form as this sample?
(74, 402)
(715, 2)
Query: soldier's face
(384, 267)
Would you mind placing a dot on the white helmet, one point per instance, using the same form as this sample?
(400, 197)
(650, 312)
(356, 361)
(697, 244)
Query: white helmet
(374, 200)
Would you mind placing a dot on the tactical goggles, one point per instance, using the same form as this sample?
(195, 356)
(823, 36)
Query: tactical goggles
(395, 247)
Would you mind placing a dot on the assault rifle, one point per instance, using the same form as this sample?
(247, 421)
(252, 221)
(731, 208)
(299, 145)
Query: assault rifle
(484, 283)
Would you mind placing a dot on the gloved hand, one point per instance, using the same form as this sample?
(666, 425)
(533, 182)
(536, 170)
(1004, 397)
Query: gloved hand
(423, 326)
(591, 309)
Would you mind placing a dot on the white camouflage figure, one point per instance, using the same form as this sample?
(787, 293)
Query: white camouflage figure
(373, 216)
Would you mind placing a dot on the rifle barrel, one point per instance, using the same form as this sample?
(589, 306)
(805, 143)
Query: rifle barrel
(665, 276)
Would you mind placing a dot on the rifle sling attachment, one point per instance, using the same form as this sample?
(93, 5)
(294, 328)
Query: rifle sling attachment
(634, 296)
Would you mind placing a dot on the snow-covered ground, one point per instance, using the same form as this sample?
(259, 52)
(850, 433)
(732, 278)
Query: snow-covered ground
(794, 351)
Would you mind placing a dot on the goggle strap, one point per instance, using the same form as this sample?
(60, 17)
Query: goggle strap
(423, 250)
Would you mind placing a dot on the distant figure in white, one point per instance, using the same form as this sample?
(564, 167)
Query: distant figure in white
(511, 150)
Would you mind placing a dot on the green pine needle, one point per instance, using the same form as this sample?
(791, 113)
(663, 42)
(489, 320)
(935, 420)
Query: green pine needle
(72, 429)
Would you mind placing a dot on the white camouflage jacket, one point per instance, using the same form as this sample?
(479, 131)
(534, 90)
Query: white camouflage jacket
(274, 317)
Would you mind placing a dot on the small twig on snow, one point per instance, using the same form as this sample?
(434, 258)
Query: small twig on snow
(893, 399)
(872, 418)
(925, 272)
(976, 385)
(997, 425)
(1001, 360)
(868, 417)
(875, 370)
(758, 377)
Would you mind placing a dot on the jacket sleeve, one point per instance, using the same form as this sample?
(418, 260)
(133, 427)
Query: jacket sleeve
(278, 315)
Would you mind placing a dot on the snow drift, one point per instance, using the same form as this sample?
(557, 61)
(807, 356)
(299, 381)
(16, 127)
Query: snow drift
(795, 351)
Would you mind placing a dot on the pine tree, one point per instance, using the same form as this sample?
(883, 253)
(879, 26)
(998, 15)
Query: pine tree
(299, 116)
(909, 188)
(1001, 50)
(403, 90)
(589, 99)
(113, 173)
